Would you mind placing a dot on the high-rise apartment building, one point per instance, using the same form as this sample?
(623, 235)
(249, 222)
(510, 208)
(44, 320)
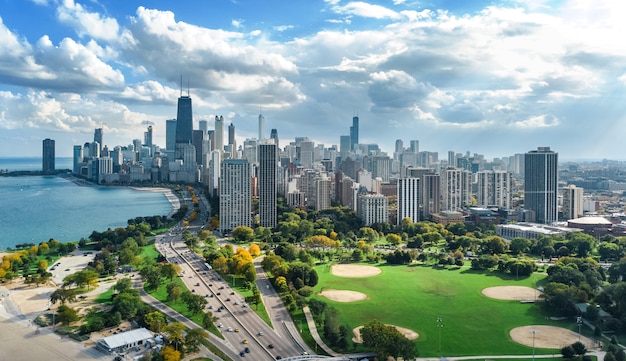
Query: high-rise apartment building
(456, 188)
(219, 133)
(409, 199)
(322, 186)
(354, 132)
(572, 202)
(373, 208)
(184, 120)
(431, 194)
(198, 141)
(268, 168)
(147, 138)
(381, 167)
(235, 194)
(307, 149)
(494, 188)
(541, 184)
(48, 155)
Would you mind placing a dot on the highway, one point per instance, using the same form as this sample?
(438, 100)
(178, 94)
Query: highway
(241, 327)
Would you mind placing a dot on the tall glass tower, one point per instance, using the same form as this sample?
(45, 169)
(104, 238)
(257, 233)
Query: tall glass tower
(541, 184)
(268, 212)
(354, 132)
(48, 155)
(184, 121)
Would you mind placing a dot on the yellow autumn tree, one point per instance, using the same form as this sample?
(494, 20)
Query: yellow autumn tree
(170, 354)
(254, 250)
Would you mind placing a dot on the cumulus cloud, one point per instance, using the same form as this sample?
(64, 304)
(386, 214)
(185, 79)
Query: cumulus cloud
(366, 10)
(87, 23)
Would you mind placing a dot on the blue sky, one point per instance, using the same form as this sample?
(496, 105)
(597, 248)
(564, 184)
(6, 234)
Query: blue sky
(489, 77)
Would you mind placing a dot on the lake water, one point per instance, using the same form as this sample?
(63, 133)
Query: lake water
(34, 209)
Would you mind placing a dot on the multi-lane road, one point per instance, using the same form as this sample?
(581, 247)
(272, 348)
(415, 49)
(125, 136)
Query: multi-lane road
(245, 333)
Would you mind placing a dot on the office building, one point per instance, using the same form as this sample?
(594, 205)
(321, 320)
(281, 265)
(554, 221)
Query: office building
(198, 141)
(572, 202)
(184, 120)
(541, 184)
(268, 169)
(354, 132)
(98, 136)
(494, 188)
(77, 159)
(203, 125)
(307, 149)
(408, 199)
(373, 208)
(274, 136)
(219, 133)
(170, 134)
(48, 156)
(235, 194)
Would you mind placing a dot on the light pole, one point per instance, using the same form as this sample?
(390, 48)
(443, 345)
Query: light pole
(579, 321)
(439, 327)
(533, 332)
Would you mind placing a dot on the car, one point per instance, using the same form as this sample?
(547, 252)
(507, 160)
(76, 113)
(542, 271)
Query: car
(270, 346)
(236, 330)
(245, 342)
(228, 300)
(219, 293)
(67, 269)
(247, 350)
(220, 325)
(279, 357)
(193, 290)
(230, 329)
(197, 283)
(210, 285)
(210, 307)
(232, 293)
(221, 287)
(207, 295)
(211, 295)
(235, 303)
(260, 333)
(242, 354)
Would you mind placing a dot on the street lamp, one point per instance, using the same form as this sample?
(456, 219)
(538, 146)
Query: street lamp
(439, 327)
(579, 321)
(534, 332)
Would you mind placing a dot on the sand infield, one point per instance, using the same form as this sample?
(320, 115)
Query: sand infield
(343, 295)
(548, 337)
(354, 270)
(520, 293)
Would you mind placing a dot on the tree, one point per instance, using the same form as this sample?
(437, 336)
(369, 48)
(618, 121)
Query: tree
(520, 245)
(387, 341)
(243, 234)
(156, 321)
(170, 270)
(208, 320)
(127, 304)
(195, 303)
(63, 295)
(152, 275)
(193, 338)
(174, 333)
(174, 292)
(394, 239)
(67, 315)
(254, 250)
(170, 354)
(568, 352)
(123, 285)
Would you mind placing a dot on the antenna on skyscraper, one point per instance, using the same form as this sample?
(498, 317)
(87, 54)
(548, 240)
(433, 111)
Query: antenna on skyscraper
(181, 85)
(187, 87)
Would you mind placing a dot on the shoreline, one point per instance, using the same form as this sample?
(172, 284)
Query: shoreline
(171, 197)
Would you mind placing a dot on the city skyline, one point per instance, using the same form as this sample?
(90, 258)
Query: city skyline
(490, 78)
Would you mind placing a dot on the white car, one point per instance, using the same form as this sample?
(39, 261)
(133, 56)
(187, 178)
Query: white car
(230, 329)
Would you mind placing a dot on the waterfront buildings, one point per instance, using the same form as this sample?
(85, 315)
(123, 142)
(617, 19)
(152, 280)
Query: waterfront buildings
(48, 156)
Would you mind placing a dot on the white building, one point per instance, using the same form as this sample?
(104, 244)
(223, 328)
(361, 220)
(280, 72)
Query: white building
(124, 340)
(235, 194)
(456, 188)
(572, 202)
(373, 208)
(494, 188)
(409, 199)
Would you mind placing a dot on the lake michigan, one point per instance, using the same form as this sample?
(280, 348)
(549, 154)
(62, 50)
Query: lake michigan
(34, 209)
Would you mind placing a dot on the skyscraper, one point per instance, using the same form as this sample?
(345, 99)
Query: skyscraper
(409, 199)
(219, 133)
(170, 134)
(274, 135)
(235, 194)
(541, 184)
(184, 120)
(48, 156)
(231, 138)
(354, 132)
(267, 184)
(456, 188)
(261, 127)
(198, 141)
(78, 158)
(98, 135)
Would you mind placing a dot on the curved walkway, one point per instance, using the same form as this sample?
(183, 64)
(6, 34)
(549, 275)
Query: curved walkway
(313, 329)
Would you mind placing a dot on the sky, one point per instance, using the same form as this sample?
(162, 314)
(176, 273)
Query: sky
(489, 77)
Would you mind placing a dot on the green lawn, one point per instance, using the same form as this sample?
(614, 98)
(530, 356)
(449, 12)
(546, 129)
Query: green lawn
(415, 296)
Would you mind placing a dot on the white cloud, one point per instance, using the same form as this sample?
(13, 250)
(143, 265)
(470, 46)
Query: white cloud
(366, 10)
(538, 121)
(87, 23)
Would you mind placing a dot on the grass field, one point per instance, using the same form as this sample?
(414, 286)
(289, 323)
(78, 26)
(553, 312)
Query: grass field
(415, 296)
